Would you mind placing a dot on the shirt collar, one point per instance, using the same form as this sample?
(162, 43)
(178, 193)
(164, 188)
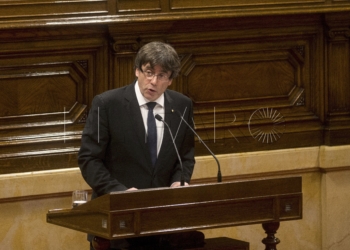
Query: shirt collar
(142, 100)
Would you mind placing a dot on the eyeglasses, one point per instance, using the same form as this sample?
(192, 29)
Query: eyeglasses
(160, 77)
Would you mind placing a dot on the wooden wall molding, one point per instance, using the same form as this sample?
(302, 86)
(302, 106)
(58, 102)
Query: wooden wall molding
(36, 9)
(339, 34)
(253, 7)
(50, 13)
(337, 78)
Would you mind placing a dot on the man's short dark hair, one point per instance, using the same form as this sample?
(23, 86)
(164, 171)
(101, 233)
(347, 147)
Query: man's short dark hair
(158, 53)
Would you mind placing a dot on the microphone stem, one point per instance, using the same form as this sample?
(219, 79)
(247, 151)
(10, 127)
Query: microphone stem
(182, 178)
(219, 177)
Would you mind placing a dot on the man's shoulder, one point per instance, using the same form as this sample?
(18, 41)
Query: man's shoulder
(116, 94)
(177, 95)
(116, 91)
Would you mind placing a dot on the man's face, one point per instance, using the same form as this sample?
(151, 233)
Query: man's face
(153, 81)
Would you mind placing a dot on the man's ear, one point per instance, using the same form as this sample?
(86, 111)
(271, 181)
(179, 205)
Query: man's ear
(137, 72)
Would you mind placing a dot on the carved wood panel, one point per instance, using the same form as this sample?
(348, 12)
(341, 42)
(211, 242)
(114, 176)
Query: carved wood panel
(257, 83)
(45, 90)
(253, 86)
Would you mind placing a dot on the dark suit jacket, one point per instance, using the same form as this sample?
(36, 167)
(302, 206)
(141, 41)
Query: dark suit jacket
(114, 155)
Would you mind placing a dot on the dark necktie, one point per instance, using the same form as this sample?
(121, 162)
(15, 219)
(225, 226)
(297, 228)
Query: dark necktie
(152, 132)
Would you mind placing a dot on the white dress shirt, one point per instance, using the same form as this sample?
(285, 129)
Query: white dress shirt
(158, 109)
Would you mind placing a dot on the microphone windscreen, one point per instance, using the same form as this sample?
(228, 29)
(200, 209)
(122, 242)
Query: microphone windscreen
(158, 117)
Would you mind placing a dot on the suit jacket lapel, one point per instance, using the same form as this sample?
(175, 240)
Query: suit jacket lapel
(136, 121)
(167, 144)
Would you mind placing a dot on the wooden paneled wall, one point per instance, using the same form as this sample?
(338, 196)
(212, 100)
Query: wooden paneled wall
(264, 75)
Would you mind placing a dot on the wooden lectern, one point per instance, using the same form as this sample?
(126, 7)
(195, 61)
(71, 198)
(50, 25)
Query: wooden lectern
(196, 207)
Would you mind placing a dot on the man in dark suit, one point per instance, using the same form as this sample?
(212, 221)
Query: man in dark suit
(116, 152)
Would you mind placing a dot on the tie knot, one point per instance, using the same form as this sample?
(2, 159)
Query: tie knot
(151, 105)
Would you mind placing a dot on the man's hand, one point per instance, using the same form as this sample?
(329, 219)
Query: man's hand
(178, 184)
(132, 189)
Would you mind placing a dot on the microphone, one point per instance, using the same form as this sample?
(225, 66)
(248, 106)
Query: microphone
(159, 118)
(219, 178)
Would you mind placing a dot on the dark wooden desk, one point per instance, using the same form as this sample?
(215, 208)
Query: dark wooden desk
(165, 210)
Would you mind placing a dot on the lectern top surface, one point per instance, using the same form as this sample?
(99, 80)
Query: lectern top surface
(194, 194)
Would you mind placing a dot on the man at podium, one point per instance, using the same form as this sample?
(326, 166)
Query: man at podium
(125, 148)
